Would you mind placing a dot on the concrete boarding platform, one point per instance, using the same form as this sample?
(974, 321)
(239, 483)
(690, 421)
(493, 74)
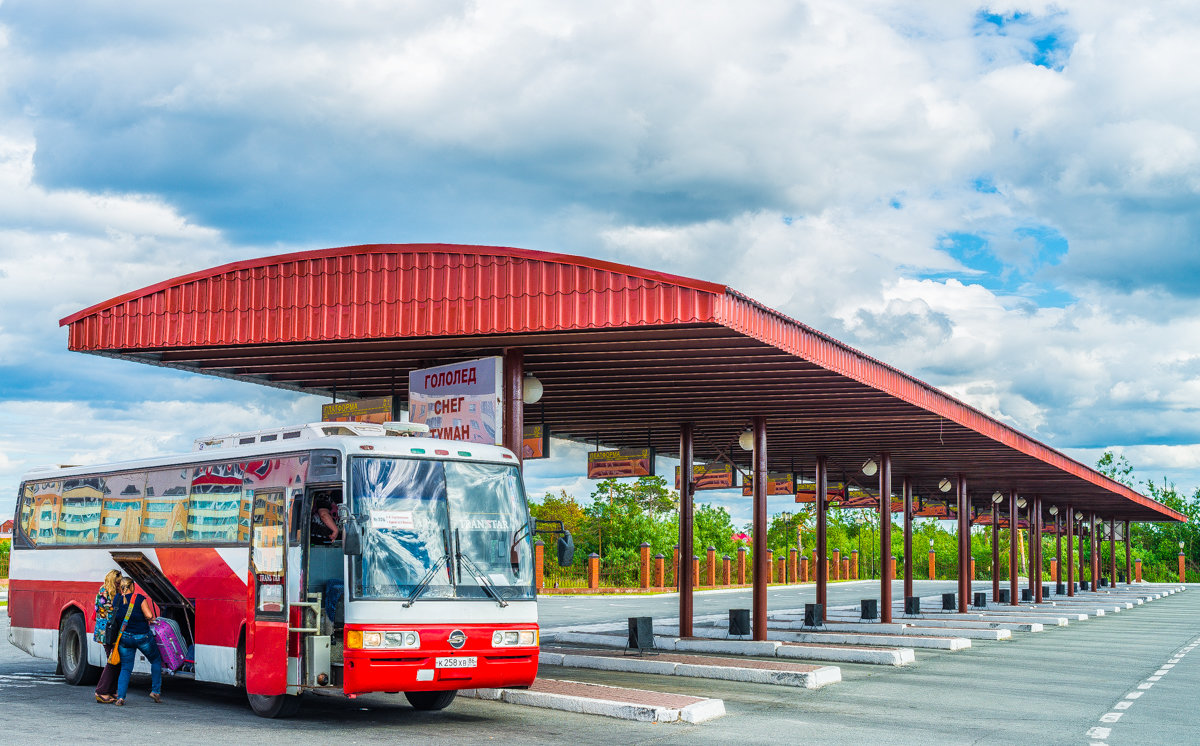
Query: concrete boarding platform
(898, 628)
(778, 631)
(610, 701)
(924, 621)
(781, 673)
(711, 641)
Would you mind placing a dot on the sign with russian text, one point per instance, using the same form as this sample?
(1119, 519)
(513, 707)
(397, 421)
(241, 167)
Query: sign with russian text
(778, 483)
(941, 511)
(714, 476)
(535, 442)
(625, 462)
(461, 401)
(377, 410)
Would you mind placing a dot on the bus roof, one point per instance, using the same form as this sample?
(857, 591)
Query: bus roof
(350, 445)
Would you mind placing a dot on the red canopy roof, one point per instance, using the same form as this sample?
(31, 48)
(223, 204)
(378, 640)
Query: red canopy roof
(625, 355)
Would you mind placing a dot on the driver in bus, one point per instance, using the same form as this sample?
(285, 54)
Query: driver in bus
(324, 517)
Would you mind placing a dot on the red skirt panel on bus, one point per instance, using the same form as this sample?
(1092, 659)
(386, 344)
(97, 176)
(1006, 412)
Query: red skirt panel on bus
(396, 670)
(40, 603)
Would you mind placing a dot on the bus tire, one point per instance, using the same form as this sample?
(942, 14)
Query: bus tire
(277, 706)
(72, 651)
(430, 700)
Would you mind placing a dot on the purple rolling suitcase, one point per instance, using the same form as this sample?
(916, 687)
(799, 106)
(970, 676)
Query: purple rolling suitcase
(170, 643)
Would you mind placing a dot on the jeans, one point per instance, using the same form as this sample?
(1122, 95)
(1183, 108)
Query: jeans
(130, 644)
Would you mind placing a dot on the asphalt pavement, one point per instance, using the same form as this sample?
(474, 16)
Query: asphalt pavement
(1067, 685)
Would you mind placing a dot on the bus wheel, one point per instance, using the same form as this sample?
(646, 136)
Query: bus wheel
(277, 706)
(72, 652)
(430, 700)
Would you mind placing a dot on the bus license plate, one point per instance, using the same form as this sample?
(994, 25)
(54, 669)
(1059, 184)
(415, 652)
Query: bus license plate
(457, 662)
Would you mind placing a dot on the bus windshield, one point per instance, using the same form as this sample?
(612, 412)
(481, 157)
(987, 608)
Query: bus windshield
(461, 528)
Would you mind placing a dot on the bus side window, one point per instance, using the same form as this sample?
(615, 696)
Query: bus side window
(296, 518)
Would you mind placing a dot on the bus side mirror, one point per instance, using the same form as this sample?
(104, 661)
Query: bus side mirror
(351, 538)
(566, 549)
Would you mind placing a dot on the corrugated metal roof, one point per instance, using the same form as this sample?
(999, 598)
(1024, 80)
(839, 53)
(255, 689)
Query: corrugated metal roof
(625, 355)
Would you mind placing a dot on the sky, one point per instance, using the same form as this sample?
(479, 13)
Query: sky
(998, 198)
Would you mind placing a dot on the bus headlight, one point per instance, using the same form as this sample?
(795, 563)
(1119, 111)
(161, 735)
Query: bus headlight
(382, 639)
(514, 638)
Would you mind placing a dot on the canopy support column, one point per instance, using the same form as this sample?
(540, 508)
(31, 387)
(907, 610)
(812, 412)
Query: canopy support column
(1094, 551)
(964, 544)
(761, 566)
(995, 552)
(885, 538)
(686, 517)
(1013, 524)
(514, 400)
(908, 573)
(1057, 549)
(1070, 550)
(1128, 564)
(822, 568)
(1035, 539)
(1112, 552)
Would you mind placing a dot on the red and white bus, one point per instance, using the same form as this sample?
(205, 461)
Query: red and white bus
(428, 587)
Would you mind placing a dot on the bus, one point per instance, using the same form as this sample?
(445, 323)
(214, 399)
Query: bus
(334, 557)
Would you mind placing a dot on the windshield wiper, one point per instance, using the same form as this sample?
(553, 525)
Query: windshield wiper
(484, 583)
(430, 575)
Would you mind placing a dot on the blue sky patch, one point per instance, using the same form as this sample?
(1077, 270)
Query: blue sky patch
(1045, 41)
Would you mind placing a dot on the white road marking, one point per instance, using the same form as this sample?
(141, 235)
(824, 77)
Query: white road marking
(1122, 705)
(1168, 665)
(1134, 695)
(1111, 717)
(1098, 732)
(1153, 678)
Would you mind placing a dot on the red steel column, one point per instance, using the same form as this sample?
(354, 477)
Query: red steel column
(1128, 568)
(885, 537)
(1070, 549)
(964, 544)
(995, 552)
(1112, 552)
(822, 566)
(1012, 547)
(514, 400)
(1035, 537)
(762, 567)
(908, 575)
(1057, 549)
(1082, 574)
(686, 494)
(1094, 549)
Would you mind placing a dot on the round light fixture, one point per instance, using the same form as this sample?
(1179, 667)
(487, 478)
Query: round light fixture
(997, 497)
(1021, 502)
(531, 389)
(1078, 516)
(746, 440)
(1053, 510)
(870, 468)
(945, 485)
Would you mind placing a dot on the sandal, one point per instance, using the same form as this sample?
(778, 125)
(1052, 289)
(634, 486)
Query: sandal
(156, 697)
(120, 702)
(105, 699)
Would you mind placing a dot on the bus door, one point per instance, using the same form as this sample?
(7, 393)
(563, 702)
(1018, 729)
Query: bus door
(267, 617)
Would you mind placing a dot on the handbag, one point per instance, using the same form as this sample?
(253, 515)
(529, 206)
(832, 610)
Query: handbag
(115, 656)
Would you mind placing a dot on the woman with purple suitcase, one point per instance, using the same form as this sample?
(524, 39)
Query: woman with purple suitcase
(136, 614)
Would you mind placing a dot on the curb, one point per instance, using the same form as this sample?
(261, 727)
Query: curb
(698, 712)
(822, 676)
